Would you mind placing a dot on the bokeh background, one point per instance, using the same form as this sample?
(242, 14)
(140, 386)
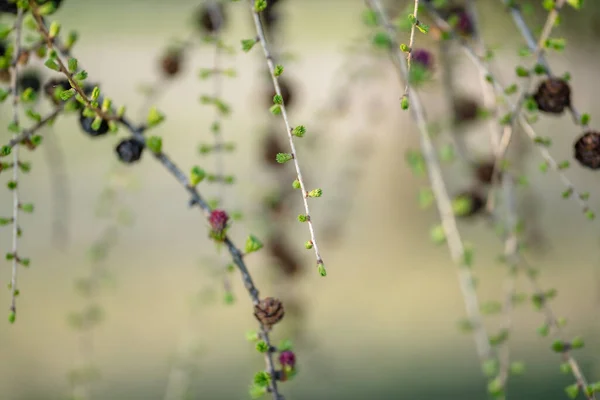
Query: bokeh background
(383, 324)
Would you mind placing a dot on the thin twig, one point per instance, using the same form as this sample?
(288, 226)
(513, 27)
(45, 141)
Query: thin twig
(16, 202)
(411, 41)
(444, 205)
(510, 244)
(269, 59)
(28, 133)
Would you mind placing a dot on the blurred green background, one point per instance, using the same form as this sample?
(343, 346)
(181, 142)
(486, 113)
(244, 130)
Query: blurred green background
(383, 324)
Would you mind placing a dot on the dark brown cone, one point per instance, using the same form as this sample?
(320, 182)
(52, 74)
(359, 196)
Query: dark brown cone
(465, 110)
(587, 150)
(269, 311)
(553, 95)
(270, 16)
(285, 257)
(484, 172)
(171, 64)
(211, 17)
(271, 147)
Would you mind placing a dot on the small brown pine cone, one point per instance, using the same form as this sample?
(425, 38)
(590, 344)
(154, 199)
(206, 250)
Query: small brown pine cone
(211, 17)
(553, 95)
(269, 311)
(465, 110)
(171, 64)
(270, 148)
(484, 172)
(587, 150)
(287, 261)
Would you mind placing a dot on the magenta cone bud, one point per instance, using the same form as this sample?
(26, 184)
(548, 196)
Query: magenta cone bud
(423, 57)
(218, 222)
(287, 358)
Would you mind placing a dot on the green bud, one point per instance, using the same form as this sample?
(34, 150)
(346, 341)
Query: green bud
(299, 131)
(404, 103)
(278, 70)
(54, 29)
(308, 245)
(559, 346)
(303, 218)
(73, 64)
(197, 175)
(577, 343)
(572, 391)
(67, 94)
(262, 346)
(154, 117)
(252, 336)
(315, 193)
(283, 157)
(260, 5)
(253, 244)
(154, 144)
(321, 269)
(51, 64)
(296, 184)
(248, 44)
(28, 207)
(96, 123)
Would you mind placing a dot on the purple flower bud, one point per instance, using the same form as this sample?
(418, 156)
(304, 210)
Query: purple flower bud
(464, 25)
(218, 222)
(423, 57)
(287, 358)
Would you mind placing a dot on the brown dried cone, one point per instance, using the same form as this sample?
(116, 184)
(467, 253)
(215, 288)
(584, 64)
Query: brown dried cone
(287, 261)
(211, 17)
(171, 63)
(270, 16)
(587, 150)
(553, 95)
(484, 172)
(270, 148)
(465, 110)
(269, 311)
